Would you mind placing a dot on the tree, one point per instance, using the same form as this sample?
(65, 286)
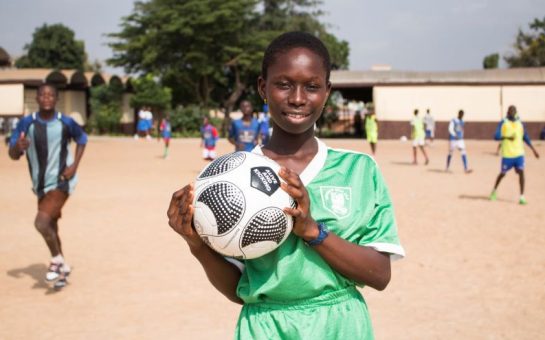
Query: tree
(147, 92)
(209, 51)
(491, 61)
(106, 108)
(186, 43)
(53, 46)
(529, 46)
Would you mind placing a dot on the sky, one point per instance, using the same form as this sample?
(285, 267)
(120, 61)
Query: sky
(412, 35)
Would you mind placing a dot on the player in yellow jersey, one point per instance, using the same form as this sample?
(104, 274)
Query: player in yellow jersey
(371, 130)
(512, 134)
(418, 136)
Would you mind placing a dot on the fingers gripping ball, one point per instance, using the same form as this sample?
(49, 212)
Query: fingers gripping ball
(239, 206)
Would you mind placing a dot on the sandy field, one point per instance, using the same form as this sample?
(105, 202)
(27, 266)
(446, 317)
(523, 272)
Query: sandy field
(474, 268)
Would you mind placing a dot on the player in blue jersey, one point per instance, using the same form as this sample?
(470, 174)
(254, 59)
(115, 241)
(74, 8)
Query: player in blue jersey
(244, 132)
(456, 140)
(44, 137)
(209, 138)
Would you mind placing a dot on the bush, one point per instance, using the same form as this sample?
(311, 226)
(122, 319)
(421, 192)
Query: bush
(187, 121)
(106, 109)
(106, 120)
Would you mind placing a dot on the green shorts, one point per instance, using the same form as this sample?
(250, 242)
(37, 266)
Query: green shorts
(340, 314)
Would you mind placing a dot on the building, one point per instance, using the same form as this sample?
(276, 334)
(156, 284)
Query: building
(484, 95)
(18, 92)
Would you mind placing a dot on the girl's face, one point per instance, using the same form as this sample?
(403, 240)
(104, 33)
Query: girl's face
(296, 90)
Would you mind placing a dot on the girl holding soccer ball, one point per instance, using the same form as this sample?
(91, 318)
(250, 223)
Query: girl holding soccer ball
(344, 232)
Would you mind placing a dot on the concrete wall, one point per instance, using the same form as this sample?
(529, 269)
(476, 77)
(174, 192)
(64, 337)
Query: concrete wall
(128, 117)
(484, 107)
(529, 100)
(480, 103)
(30, 101)
(11, 99)
(74, 105)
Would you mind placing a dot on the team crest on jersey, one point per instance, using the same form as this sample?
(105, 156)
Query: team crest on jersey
(337, 200)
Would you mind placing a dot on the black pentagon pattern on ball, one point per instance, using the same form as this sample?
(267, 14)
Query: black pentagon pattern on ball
(226, 202)
(223, 164)
(267, 225)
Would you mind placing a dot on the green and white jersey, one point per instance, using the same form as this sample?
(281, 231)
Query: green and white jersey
(348, 194)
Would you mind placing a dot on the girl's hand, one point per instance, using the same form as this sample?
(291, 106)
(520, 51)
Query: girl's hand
(304, 225)
(180, 217)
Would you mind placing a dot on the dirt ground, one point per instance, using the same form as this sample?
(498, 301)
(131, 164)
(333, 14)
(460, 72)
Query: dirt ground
(474, 268)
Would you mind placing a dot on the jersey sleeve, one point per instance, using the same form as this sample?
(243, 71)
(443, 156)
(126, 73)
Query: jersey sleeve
(525, 136)
(76, 131)
(232, 131)
(497, 134)
(381, 230)
(451, 130)
(22, 126)
(215, 133)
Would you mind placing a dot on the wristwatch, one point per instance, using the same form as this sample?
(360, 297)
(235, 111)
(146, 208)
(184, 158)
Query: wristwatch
(322, 234)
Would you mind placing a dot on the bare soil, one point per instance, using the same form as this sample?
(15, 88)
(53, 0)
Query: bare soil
(474, 268)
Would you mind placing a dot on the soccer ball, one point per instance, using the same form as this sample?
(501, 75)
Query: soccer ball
(239, 206)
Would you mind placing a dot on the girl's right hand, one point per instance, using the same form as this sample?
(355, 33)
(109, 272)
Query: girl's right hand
(180, 216)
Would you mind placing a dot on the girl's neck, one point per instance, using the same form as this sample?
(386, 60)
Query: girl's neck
(286, 144)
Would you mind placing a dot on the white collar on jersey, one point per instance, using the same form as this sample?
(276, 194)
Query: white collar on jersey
(315, 165)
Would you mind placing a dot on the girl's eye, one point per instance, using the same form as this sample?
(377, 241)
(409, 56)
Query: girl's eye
(313, 87)
(283, 85)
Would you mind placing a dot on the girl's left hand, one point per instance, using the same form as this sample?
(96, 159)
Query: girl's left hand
(304, 225)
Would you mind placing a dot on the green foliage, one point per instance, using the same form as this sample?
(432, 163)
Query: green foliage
(106, 108)
(529, 47)
(491, 61)
(209, 51)
(53, 46)
(187, 119)
(147, 92)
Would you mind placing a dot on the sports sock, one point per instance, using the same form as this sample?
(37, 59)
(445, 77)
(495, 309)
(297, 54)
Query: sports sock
(464, 159)
(448, 160)
(57, 259)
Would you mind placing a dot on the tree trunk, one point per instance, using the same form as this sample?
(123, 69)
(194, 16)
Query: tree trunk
(229, 103)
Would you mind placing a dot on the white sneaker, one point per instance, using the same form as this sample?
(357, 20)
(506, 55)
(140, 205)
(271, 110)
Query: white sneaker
(55, 269)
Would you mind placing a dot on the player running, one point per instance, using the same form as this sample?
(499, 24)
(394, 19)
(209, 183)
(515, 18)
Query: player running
(44, 137)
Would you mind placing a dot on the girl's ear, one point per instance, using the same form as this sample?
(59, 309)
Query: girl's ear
(261, 87)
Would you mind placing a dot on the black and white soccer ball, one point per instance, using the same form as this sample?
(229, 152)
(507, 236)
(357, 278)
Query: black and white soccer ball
(239, 206)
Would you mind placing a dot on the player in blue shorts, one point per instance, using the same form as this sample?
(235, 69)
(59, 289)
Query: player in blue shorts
(456, 140)
(344, 231)
(244, 132)
(512, 134)
(44, 137)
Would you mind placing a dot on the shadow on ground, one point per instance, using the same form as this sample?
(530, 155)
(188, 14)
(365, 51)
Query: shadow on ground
(481, 198)
(37, 273)
(402, 163)
(442, 171)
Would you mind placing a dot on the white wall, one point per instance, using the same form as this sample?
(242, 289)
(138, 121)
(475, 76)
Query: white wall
(529, 100)
(128, 111)
(480, 103)
(12, 99)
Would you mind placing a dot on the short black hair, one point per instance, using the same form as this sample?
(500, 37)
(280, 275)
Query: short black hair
(51, 86)
(290, 40)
